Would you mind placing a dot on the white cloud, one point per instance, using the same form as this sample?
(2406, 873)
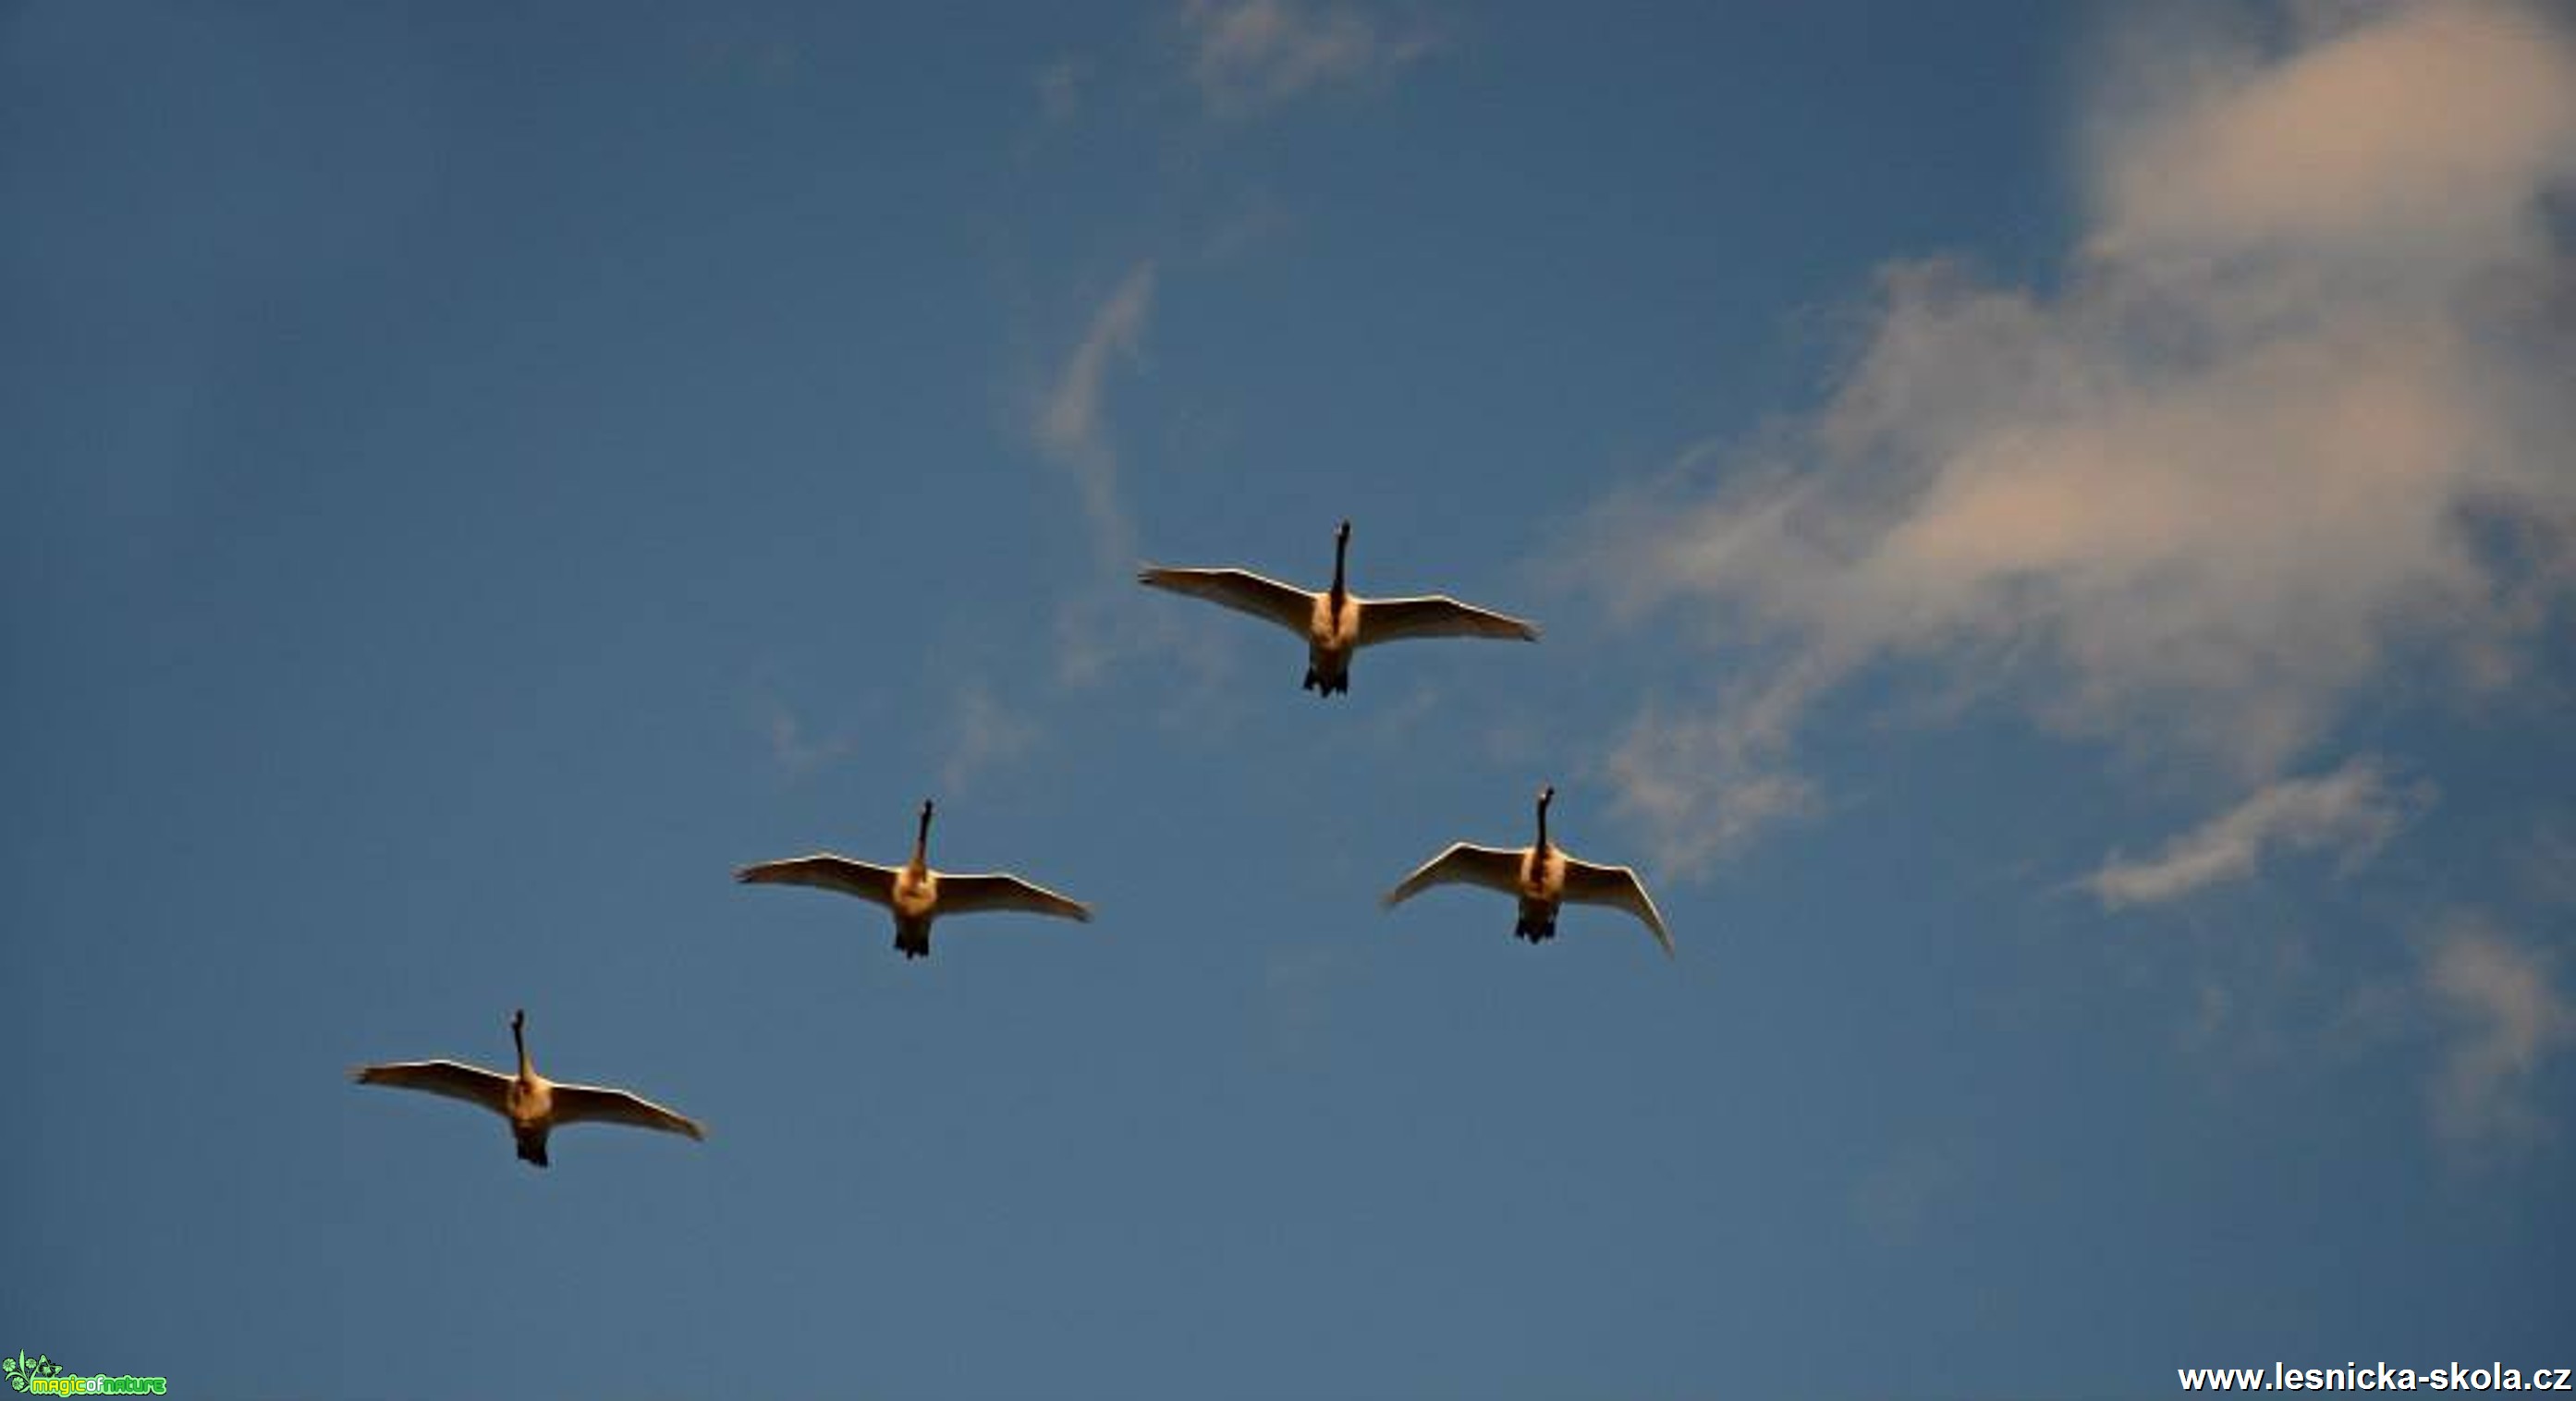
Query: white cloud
(2308, 362)
(1059, 87)
(1894, 1202)
(2507, 1017)
(1094, 629)
(2352, 810)
(983, 734)
(1704, 784)
(1070, 428)
(1298, 989)
(1246, 55)
(797, 753)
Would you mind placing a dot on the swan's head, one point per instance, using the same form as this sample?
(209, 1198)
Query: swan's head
(1342, 534)
(1546, 794)
(927, 807)
(518, 1020)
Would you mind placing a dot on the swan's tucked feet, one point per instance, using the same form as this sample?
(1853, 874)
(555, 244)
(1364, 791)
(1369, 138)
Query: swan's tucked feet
(1310, 680)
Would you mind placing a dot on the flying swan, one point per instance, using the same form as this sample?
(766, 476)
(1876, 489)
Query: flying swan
(533, 1104)
(916, 893)
(1336, 622)
(1542, 877)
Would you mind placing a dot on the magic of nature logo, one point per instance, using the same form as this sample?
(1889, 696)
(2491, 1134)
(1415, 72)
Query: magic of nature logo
(44, 1376)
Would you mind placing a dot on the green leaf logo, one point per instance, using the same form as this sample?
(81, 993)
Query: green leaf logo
(22, 1369)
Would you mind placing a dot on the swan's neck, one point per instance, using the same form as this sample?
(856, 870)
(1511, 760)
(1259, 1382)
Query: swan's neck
(1341, 548)
(1541, 848)
(527, 1072)
(921, 846)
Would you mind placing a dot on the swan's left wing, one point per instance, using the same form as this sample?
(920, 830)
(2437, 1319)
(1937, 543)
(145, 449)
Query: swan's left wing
(1396, 619)
(575, 1104)
(967, 894)
(1616, 885)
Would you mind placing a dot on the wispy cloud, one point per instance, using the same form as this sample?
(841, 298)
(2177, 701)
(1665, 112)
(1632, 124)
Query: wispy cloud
(797, 752)
(1098, 626)
(1705, 783)
(2507, 1017)
(1298, 990)
(1071, 427)
(1895, 1201)
(983, 734)
(2305, 368)
(1059, 86)
(1248, 55)
(2352, 810)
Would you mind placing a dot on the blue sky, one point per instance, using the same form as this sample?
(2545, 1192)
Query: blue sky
(2054, 538)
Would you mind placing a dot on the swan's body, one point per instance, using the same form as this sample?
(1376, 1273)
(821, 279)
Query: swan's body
(915, 893)
(533, 1104)
(1542, 878)
(1337, 622)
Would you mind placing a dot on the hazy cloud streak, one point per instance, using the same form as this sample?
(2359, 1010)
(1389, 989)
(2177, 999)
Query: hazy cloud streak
(1071, 429)
(1246, 55)
(2352, 809)
(2508, 1017)
(983, 734)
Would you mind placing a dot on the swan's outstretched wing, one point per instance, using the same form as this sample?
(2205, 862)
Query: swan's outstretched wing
(967, 894)
(1487, 866)
(1616, 885)
(470, 1083)
(576, 1104)
(1396, 619)
(1241, 590)
(824, 871)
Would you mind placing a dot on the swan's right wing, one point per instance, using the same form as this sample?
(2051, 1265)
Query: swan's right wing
(824, 871)
(1617, 886)
(576, 1104)
(1396, 619)
(970, 893)
(1491, 867)
(1241, 590)
(470, 1083)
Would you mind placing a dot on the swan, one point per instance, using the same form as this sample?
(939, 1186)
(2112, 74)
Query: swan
(1543, 877)
(533, 1104)
(1336, 622)
(916, 893)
